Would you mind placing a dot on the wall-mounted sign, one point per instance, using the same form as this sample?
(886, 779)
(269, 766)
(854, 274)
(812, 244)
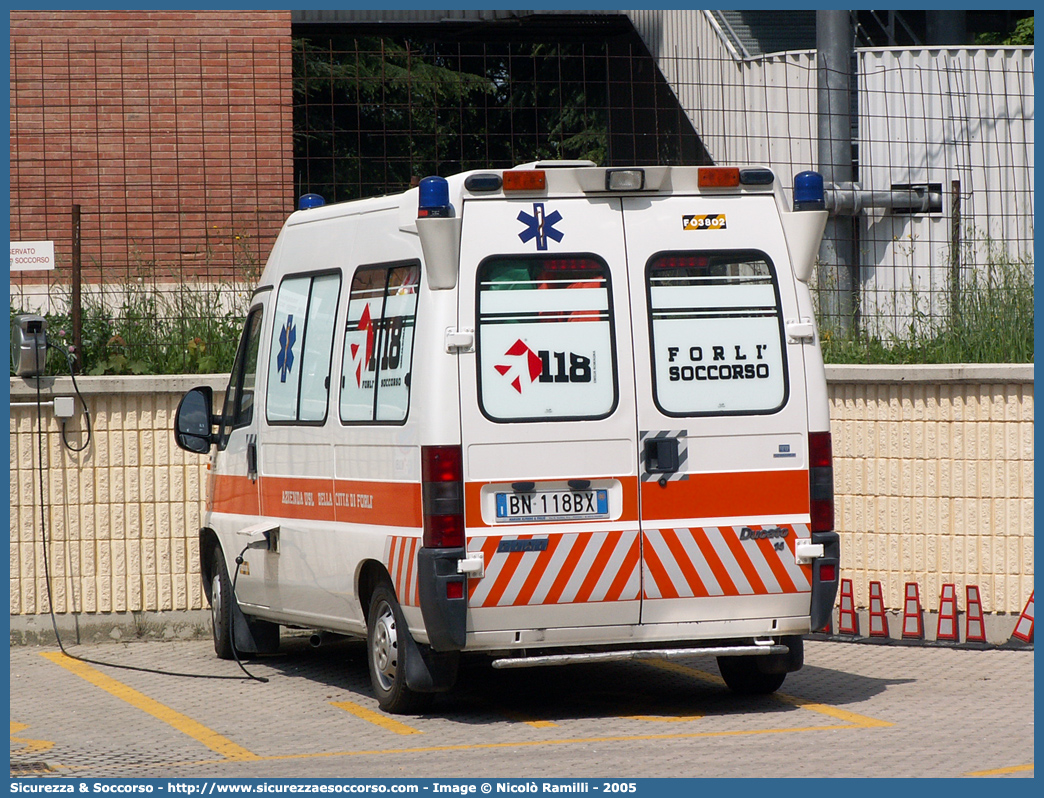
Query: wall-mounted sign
(32, 255)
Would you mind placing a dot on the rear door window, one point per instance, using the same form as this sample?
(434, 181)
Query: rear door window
(716, 333)
(545, 339)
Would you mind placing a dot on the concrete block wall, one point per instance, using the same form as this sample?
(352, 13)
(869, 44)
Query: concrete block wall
(933, 477)
(123, 516)
(933, 471)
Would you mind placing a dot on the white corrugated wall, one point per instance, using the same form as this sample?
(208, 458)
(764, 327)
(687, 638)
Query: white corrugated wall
(924, 115)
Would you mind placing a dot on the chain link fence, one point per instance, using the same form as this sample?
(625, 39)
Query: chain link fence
(179, 156)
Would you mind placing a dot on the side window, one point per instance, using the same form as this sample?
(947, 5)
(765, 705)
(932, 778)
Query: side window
(545, 339)
(378, 343)
(716, 332)
(239, 396)
(302, 345)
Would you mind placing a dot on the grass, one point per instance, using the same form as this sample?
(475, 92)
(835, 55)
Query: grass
(140, 328)
(989, 321)
(195, 328)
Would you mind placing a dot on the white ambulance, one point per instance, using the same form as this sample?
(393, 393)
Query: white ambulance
(557, 413)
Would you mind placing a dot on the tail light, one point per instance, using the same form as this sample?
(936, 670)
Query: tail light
(442, 478)
(718, 177)
(821, 481)
(525, 180)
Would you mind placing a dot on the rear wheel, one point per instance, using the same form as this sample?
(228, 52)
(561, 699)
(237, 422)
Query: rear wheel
(744, 676)
(386, 655)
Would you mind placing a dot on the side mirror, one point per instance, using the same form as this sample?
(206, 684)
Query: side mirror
(192, 423)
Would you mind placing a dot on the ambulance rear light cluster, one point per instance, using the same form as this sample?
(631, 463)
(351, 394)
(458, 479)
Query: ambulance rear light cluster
(821, 481)
(733, 177)
(442, 477)
(624, 179)
(525, 180)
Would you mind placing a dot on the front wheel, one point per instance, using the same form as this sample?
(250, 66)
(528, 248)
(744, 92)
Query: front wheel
(743, 675)
(387, 654)
(221, 599)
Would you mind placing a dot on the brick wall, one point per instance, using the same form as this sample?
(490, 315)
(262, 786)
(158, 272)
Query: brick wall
(933, 476)
(171, 129)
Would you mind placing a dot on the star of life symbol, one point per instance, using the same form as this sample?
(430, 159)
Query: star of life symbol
(526, 363)
(287, 339)
(540, 226)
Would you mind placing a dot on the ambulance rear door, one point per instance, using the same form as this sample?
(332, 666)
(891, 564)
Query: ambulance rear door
(721, 410)
(548, 416)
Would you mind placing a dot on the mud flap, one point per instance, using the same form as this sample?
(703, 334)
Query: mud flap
(253, 636)
(784, 663)
(427, 671)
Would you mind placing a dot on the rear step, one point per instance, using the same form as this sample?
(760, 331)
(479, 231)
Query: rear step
(642, 653)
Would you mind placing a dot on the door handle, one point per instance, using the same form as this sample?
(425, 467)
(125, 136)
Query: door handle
(661, 455)
(251, 456)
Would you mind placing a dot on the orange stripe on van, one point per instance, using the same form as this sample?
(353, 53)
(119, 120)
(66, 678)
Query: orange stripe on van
(716, 546)
(232, 494)
(507, 571)
(740, 493)
(654, 568)
(529, 587)
(567, 569)
(400, 558)
(320, 499)
(488, 549)
(598, 566)
(575, 568)
(615, 592)
(778, 571)
(743, 560)
(714, 562)
(684, 562)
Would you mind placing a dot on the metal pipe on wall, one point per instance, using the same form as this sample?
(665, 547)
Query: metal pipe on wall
(838, 266)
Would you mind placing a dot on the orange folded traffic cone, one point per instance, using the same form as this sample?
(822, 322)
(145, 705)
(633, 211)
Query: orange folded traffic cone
(974, 626)
(913, 625)
(947, 629)
(1024, 626)
(847, 622)
(878, 619)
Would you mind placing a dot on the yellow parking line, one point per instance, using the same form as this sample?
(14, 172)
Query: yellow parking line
(570, 741)
(823, 709)
(518, 717)
(376, 718)
(184, 724)
(31, 746)
(834, 712)
(1002, 771)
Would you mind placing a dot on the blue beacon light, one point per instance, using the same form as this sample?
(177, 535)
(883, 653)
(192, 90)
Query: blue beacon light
(310, 201)
(433, 202)
(808, 191)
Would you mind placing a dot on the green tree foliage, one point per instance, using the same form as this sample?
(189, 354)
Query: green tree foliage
(372, 113)
(1022, 35)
